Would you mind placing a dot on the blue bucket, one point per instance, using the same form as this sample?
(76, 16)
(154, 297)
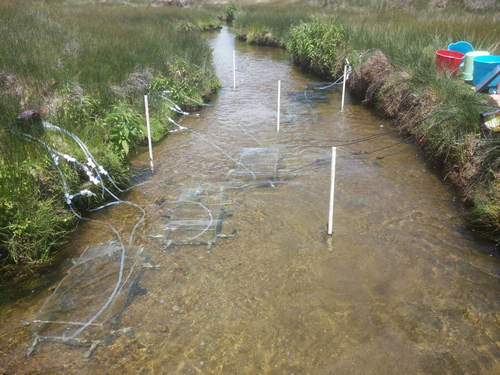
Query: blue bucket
(484, 65)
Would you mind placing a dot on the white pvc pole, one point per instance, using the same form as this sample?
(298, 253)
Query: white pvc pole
(234, 69)
(343, 87)
(279, 97)
(149, 133)
(332, 191)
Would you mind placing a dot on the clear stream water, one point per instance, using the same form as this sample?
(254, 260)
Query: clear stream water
(239, 275)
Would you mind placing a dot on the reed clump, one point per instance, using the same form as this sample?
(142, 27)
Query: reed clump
(315, 46)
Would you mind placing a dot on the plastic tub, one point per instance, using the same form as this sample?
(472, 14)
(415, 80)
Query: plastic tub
(461, 46)
(484, 65)
(29, 121)
(469, 63)
(449, 61)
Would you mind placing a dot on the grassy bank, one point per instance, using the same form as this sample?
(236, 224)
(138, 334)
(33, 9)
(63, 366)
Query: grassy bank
(267, 24)
(85, 68)
(397, 74)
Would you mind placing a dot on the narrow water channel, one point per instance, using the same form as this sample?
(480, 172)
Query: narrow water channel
(232, 270)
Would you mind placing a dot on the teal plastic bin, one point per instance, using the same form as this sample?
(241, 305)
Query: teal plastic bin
(484, 65)
(462, 46)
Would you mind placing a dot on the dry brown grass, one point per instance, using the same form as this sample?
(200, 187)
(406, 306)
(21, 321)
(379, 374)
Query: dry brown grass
(9, 83)
(136, 84)
(481, 4)
(367, 80)
(376, 83)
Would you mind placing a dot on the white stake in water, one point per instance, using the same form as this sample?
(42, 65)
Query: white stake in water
(343, 87)
(149, 133)
(332, 190)
(279, 99)
(234, 69)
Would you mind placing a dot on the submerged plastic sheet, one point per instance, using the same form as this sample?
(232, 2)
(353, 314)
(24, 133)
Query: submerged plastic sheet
(300, 106)
(309, 97)
(86, 306)
(325, 87)
(196, 218)
(258, 163)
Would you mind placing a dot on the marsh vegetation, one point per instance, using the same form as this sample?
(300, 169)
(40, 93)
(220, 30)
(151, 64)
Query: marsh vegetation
(88, 65)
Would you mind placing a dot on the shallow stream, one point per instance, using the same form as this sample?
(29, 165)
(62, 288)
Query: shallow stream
(232, 270)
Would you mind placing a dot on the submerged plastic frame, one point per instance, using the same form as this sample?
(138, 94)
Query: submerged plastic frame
(57, 321)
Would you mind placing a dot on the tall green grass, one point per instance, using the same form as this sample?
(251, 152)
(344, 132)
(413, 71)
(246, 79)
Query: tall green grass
(45, 47)
(268, 24)
(404, 36)
(88, 65)
(317, 46)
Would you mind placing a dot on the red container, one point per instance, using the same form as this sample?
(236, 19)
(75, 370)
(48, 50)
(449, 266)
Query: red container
(449, 61)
